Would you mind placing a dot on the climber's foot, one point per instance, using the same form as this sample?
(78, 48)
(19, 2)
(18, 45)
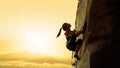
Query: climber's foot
(76, 56)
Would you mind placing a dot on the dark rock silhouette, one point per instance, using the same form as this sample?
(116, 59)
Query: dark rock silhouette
(101, 45)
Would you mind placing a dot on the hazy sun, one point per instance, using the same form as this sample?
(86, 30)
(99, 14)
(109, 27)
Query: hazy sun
(37, 42)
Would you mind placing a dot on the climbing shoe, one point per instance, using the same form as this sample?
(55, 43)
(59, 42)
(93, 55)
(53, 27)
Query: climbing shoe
(76, 56)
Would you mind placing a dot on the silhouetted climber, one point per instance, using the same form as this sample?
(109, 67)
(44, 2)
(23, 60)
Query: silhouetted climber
(72, 44)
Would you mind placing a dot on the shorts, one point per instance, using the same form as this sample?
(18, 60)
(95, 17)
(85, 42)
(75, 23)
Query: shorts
(79, 42)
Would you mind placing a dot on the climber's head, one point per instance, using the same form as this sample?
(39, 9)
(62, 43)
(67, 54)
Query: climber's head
(65, 27)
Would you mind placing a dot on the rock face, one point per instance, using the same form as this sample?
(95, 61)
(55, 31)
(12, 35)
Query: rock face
(101, 40)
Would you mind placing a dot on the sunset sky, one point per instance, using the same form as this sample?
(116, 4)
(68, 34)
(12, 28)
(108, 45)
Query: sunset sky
(32, 26)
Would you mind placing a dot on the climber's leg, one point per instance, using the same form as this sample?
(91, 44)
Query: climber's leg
(76, 52)
(79, 44)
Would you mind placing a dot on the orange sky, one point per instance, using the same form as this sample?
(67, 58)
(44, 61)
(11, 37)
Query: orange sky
(32, 25)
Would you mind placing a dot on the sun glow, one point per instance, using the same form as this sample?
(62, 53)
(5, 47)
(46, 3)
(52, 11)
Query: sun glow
(37, 42)
(32, 25)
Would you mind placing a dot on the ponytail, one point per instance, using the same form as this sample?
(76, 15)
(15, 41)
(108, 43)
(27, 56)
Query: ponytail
(59, 32)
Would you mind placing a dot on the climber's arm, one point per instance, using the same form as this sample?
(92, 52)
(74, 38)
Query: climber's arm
(77, 33)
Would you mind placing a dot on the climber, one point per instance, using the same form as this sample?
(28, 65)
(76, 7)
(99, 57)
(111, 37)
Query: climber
(72, 44)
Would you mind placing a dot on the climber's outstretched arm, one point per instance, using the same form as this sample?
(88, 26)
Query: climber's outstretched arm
(79, 32)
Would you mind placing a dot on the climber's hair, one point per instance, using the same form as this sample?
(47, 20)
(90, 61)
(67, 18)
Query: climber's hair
(59, 32)
(64, 27)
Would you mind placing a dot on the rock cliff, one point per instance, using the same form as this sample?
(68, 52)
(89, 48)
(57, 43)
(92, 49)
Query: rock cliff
(101, 40)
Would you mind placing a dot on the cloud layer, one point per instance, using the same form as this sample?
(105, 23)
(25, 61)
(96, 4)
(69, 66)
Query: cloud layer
(22, 64)
(23, 60)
